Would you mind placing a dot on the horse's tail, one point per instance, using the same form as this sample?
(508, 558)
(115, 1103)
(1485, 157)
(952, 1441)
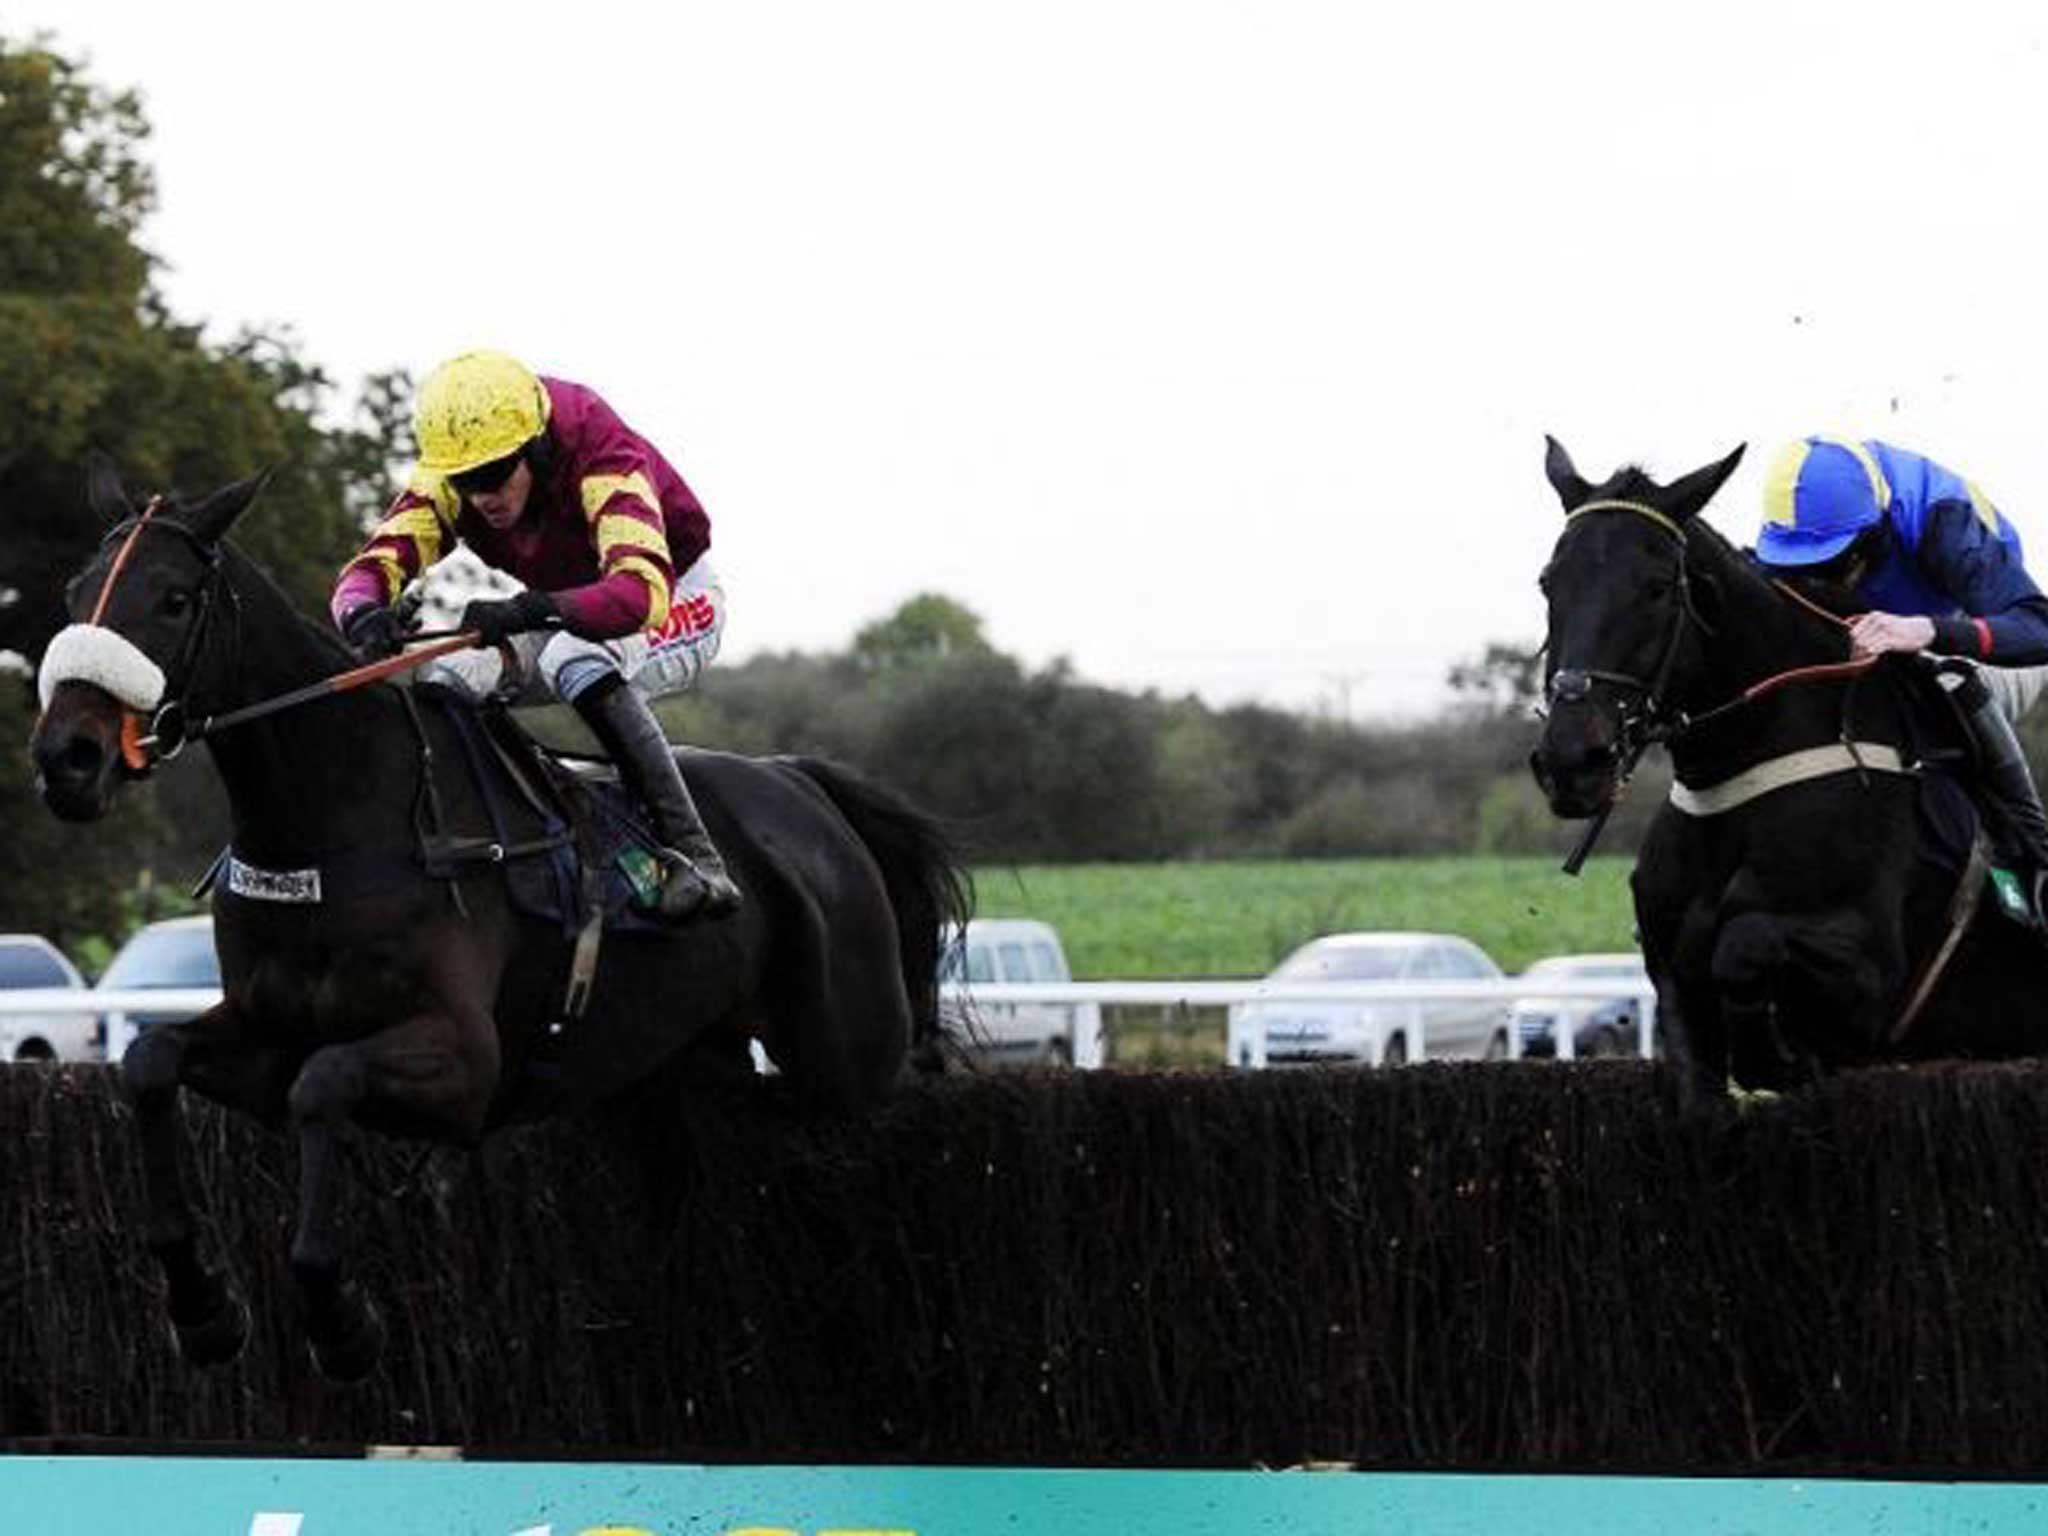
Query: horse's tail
(929, 886)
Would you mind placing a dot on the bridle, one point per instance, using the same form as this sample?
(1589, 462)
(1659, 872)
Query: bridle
(169, 724)
(172, 725)
(1643, 716)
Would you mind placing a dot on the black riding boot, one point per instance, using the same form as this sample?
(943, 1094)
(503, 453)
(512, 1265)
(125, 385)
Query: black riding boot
(695, 883)
(2009, 789)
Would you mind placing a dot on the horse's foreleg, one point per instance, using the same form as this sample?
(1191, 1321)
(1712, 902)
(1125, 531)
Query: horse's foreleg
(425, 1074)
(1751, 960)
(210, 1320)
(1694, 1049)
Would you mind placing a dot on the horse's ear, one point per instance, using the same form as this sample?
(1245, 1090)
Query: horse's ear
(1684, 498)
(1564, 479)
(212, 518)
(103, 488)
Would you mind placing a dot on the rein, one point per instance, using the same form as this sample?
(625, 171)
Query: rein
(1822, 672)
(341, 682)
(170, 728)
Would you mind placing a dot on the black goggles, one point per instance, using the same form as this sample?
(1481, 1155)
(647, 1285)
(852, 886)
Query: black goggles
(486, 477)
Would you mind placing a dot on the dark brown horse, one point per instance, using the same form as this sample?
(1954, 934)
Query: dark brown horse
(360, 991)
(1792, 899)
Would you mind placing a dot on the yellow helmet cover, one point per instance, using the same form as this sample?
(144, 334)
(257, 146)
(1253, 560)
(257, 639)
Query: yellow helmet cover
(475, 408)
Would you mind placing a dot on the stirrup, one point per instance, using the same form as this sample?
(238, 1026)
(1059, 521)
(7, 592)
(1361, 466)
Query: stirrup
(688, 891)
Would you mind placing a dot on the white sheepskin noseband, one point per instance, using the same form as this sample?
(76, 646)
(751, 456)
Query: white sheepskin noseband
(92, 653)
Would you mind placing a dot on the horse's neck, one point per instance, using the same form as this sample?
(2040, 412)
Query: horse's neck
(298, 781)
(1759, 632)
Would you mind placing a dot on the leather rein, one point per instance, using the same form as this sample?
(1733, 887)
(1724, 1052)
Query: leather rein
(172, 726)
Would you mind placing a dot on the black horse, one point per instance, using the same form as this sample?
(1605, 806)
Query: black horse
(1798, 906)
(426, 1007)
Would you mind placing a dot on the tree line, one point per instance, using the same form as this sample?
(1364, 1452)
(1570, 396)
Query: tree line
(1044, 766)
(93, 359)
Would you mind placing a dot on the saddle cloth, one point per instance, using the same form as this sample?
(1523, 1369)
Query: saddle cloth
(569, 839)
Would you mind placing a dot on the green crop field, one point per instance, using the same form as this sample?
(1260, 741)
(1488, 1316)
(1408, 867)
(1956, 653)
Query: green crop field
(1137, 921)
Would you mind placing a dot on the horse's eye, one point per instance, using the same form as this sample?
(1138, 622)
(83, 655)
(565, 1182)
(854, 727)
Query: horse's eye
(177, 600)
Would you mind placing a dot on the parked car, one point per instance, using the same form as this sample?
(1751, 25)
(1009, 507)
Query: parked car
(1387, 1033)
(1011, 949)
(177, 952)
(1610, 1026)
(30, 960)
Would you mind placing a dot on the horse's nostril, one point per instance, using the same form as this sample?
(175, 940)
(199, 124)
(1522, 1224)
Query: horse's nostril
(80, 759)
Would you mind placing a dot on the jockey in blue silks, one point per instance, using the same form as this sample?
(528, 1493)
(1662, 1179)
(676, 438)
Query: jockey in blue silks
(1934, 567)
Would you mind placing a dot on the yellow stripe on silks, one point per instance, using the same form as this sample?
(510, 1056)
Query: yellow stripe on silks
(1981, 504)
(656, 583)
(622, 530)
(1880, 487)
(389, 571)
(434, 488)
(599, 489)
(422, 525)
(1781, 479)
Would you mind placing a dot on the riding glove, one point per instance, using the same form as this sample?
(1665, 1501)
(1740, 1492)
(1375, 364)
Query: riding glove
(374, 632)
(497, 619)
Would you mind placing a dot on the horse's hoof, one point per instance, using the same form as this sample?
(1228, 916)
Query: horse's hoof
(348, 1353)
(216, 1338)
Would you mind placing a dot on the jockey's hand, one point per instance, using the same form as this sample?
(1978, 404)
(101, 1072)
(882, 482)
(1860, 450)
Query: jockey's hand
(497, 619)
(374, 632)
(1872, 634)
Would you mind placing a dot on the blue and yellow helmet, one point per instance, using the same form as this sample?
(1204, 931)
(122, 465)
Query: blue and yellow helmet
(1819, 493)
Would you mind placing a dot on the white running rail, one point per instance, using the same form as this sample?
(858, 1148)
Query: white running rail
(1197, 994)
(1507, 991)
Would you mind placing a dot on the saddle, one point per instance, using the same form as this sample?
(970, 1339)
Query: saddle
(574, 849)
(1957, 836)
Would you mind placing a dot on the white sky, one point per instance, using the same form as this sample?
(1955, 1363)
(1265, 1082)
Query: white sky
(1209, 344)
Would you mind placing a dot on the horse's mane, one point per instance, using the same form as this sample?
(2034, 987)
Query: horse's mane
(246, 574)
(1631, 482)
(1739, 564)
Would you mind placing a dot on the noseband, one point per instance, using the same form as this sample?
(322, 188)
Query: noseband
(167, 733)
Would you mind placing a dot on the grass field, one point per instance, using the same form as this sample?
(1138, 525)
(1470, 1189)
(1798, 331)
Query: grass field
(1138, 921)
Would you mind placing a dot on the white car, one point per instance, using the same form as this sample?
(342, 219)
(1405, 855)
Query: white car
(30, 960)
(1385, 1033)
(1600, 1026)
(175, 953)
(1015, 949)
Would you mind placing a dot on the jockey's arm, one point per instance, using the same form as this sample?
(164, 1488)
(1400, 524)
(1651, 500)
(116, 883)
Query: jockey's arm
(636, 568)
(415, 533)
(2004, 618)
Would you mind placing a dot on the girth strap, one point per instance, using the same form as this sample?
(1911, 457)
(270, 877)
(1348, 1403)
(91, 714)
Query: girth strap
(1792, 768)
(1962, 909)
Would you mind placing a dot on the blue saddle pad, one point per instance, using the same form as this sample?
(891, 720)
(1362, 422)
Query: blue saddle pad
(581, 815)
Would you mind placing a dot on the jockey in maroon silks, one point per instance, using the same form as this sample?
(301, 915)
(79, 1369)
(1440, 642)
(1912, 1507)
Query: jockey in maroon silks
(543, 481)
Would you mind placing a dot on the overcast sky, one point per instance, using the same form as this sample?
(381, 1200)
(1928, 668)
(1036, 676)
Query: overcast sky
(1208, 344)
